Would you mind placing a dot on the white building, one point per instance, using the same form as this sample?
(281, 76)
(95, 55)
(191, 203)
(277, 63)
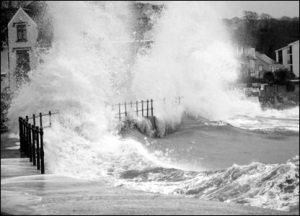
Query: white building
(22, 39)
(289, 57)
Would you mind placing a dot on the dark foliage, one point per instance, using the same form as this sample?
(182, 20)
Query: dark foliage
(263, 32)
(283, 75)
(5, 103)
(269, 77)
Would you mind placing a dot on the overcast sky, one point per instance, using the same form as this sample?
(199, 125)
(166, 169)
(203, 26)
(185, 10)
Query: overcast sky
(230, 9)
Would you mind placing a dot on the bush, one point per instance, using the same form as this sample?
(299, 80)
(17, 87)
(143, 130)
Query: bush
(5, 103)
(282, 76)
(290, 87)
(269, 77)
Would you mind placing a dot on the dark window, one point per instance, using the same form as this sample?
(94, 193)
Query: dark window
(280, 56)
(21, 33)
(291, 59)
(23, 65)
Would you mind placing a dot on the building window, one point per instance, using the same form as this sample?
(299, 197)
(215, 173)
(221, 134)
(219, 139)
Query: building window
(21, 33)
(273, 68)
(23, 65)
(291, 59)
(260, 67)
(280, 56)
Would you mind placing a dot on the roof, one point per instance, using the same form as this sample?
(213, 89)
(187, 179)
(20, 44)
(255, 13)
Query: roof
(286, 47)
(265, 58)
(20, 10)
(291, 44)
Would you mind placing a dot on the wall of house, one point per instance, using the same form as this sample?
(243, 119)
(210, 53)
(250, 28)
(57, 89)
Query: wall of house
(4, 68)
(295, 51)
(4, 60)
(14, 45)
(285, 56)
(265, 67)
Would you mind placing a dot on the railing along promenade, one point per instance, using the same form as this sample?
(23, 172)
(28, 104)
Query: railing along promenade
(31, 134)
(142, 108)
(31, 138)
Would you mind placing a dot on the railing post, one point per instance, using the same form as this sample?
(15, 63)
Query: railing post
(29, 142)
(20, 134)
(147, 108)
(33, 145)
(50, 118)
(26, 135)
(119, 111)
(142, 108)
(131, 104)
(33, 117)
(37, 148)
(23, 136)
(41, 121)
(137, 108)
(42, 152)
(151, 107)
(26, 139)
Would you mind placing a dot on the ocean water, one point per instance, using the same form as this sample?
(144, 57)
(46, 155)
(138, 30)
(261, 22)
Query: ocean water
(215, 160)
(222, 146)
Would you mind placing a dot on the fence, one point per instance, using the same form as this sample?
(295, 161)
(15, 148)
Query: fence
(31, 135)
(31, 139)
(143, 107)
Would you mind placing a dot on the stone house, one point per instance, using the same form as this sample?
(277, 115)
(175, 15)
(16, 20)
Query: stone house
(265, 64)
(254, 63)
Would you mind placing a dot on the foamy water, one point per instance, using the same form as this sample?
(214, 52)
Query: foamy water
(85, 70)
(268, 120)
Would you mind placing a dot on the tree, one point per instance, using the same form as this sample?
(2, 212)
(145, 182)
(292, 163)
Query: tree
(269, 77)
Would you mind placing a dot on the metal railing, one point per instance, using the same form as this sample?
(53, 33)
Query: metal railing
(145, 108)
(31, 139)
(31, 135)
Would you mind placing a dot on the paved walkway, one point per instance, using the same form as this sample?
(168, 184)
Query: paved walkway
(10, 146)
(24, 191)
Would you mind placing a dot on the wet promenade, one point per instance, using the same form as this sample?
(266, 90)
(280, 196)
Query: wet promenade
(24, 191)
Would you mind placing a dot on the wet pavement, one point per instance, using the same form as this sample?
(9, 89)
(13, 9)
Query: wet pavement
(24, 191)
